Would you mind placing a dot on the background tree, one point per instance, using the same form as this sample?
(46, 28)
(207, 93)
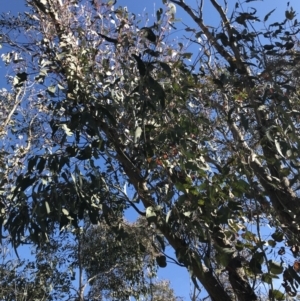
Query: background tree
(210, 156)
(41, 279)
(99, 264)
(119, 261)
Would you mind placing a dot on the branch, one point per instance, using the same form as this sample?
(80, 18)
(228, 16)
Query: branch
(234, 61)
(18, 101)
(136, 209)
(223, 16)
(220, 49)
(174, 260)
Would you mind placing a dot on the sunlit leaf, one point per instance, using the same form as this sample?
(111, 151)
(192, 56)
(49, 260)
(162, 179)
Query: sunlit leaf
(51, 90)
(137, 134)
(65, 211)
(275, 267)
(266, 278)
(150, 214)
(67, 130)
(278, 295)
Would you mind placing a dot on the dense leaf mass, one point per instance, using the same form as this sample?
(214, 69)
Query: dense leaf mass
(104, 114)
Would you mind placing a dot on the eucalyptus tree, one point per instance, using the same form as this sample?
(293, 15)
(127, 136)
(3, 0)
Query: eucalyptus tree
(209, 149)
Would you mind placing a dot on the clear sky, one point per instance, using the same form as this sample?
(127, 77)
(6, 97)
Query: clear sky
(178, 276)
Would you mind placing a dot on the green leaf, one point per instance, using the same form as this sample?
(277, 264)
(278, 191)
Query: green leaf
(223, 214)
(223, 259)
(141, 65)
(235, 206)
(245, 122)
(168, 216)
(271, 243)
(275, 267)
(67, 130)
(207, 262)
(161, 241)
(255, 264)
(235, 226)
(190, 165)
(85, 154)
(268, 15)
(19, 79)
(65, 211)
(268, 47)
(158, 14)
(187, 213)
(187, 55)
(48, 210)
(26, 182)
(227, 251)
(72, 151)
(152, 52)
(41, 164)
(137, 134)
(278, 147)
(259, 257)
(149, 34)
(109, 116)
(93, 215)
(157, 90)
(266, 277)
(166, 68)
(161, 261)
(51, 90)
(196, 283)
(278, 295)
(150, 214)
(290, 14)
(289, 45)
(31, 163)
(278, 236)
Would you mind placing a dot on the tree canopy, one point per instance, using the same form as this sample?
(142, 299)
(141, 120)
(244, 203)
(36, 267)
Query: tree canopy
(207, 145)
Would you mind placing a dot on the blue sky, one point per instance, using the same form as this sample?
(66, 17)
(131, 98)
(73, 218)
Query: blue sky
(178, 276)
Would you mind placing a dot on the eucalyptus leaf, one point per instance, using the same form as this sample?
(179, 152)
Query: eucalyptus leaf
(275, 267)
(151, 215)
(137, 134)
(268, 15)
(65, 211)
